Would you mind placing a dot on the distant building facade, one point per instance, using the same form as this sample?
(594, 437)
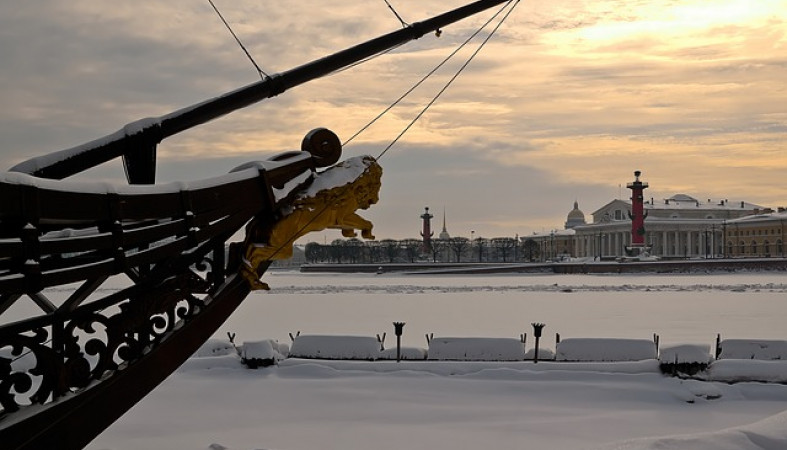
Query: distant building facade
(677, 227)
(757, 236)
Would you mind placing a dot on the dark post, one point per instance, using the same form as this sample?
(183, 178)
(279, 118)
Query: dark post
(398, 331)
(718, 345)
(537, 327)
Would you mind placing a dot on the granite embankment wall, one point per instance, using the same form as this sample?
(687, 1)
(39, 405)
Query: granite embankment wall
(676, 266)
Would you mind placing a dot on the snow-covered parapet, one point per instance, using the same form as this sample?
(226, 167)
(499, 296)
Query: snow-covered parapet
(753, 349)
(686, 359)
(262, 353)
(685, 354)
(335, 347)
(214, 347)
(605, 349)
(475, 349)
(543, 354)
(735, 371)
(408, 353)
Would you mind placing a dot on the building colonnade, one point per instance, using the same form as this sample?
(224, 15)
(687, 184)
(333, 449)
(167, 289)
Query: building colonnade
(669, 239)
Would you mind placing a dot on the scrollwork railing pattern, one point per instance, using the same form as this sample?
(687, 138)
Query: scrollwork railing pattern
(47, 357)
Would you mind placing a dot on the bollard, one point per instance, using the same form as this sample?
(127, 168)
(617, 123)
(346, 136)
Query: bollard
(398, 331)
(718, 345)
(537, 327)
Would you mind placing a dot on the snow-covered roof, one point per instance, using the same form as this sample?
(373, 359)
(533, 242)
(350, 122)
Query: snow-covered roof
(555, 233)
(685, 202)
(773, 216)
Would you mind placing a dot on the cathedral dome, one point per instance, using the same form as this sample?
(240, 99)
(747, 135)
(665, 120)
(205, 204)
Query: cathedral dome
(575, 217)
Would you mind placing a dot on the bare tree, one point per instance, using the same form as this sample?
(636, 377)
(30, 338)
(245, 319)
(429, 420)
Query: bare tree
(374, 251)
(438, 247)
(337, 250)
(412, 248)
(530, 250)
(353, 249)
(503, 246)
(390, 249)
(459, 245)
(314, 252)
(480, 244)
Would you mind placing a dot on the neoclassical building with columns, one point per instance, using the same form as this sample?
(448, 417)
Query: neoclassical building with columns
(678, 227)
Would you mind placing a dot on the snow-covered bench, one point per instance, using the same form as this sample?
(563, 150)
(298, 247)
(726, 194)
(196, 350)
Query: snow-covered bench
(753, 349)
(266, 352)
(475, 349)
(408, 353)
(317, 346)
(605, 349)
(688, 359)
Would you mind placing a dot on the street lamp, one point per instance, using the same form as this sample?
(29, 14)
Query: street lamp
(398, 326)
(537, 327)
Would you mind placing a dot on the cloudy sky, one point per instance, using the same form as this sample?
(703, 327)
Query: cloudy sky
(564, 103)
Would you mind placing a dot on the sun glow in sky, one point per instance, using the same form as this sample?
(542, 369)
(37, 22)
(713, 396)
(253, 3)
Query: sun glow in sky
(564, 103)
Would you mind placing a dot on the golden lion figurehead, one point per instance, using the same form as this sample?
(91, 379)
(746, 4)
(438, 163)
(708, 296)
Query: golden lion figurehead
(331, 201)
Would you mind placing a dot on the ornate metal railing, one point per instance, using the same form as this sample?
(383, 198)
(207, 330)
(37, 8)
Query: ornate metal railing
(170, 243)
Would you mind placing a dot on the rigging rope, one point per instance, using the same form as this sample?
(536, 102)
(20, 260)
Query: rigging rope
(425, 77)
(404, 24)
(421, 113)
(262, 73)
(453, 78)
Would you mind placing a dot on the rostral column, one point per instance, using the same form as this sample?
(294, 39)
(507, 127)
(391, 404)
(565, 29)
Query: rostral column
(637, 213)
(427, 231)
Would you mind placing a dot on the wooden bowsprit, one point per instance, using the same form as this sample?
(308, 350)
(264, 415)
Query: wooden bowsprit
(70, 371)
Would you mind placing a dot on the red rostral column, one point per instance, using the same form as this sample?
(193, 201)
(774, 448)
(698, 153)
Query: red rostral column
(427, 232)
(637, 213)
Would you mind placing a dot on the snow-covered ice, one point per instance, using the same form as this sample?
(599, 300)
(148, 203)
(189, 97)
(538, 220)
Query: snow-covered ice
(214, 402)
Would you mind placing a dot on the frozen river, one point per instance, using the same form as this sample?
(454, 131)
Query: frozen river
(217, 404)
(679, 308)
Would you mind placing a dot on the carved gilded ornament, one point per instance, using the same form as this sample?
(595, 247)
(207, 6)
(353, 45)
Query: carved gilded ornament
(331, 201)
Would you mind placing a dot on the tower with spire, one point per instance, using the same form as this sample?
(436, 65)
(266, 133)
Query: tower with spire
(444, 234)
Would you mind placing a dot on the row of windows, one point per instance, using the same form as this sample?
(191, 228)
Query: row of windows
(754, 248)
(773, 232)
(619, 215)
